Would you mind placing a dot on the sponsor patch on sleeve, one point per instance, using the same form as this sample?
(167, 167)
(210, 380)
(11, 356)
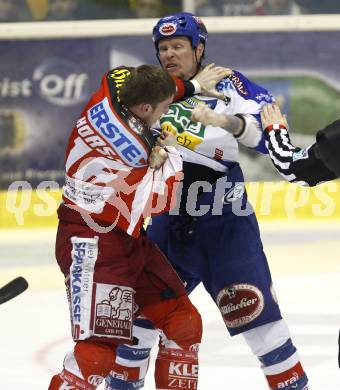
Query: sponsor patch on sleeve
(301, 154)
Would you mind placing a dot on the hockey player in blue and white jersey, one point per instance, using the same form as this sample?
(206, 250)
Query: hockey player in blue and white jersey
(214, 236)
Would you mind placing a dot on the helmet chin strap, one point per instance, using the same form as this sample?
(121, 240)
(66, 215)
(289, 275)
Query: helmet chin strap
(157, 55)
(198, 64)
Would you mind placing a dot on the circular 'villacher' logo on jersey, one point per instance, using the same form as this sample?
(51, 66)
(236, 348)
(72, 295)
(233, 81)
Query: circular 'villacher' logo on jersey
(240, 304)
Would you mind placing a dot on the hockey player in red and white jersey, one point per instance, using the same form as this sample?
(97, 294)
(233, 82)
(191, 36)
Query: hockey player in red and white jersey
(115, 177)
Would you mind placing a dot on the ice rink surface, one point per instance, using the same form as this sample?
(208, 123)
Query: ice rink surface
(305, 264)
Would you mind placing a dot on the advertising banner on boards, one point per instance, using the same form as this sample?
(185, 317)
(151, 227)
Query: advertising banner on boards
(44, 85)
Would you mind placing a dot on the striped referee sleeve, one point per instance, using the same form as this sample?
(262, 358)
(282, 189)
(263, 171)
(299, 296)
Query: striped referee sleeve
(299, 166)
(281, 152)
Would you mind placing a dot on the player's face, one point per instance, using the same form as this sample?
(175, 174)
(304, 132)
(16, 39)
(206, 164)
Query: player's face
(158, 111)
(178, 57)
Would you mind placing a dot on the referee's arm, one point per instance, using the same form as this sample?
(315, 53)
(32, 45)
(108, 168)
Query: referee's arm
(300, 166)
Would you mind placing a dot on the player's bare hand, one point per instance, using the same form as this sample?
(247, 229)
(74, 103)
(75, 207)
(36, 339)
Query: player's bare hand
(209, 76)
(166, 139)
(207, 116)
(272, 114)
(157, 157)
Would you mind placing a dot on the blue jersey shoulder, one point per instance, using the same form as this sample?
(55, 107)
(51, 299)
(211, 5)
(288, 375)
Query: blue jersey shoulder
(245, 88)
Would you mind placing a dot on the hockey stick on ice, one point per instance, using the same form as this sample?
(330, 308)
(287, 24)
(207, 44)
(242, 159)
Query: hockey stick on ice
(12, 289)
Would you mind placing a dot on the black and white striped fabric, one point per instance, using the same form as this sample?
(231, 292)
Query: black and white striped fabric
(299, 166)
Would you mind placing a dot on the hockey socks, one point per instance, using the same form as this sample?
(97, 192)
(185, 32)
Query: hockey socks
(69, 381)
(85, 367)
(129, 369)
(280, 362)
(283, 369)
(176, 369)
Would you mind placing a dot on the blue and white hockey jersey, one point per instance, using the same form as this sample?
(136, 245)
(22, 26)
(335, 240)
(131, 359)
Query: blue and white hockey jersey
(213, 146)
(209, 152)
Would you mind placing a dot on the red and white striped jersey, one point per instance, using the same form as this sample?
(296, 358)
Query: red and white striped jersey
(107, 174)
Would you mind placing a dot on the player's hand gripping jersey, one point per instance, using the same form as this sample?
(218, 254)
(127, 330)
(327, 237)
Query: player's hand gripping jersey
(107, 173)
